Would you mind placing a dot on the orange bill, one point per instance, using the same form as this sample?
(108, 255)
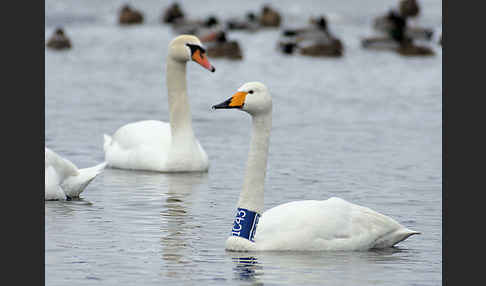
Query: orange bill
(236, 101)
(201, 59)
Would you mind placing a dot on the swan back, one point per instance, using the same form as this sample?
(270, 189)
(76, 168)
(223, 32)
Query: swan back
(332, 224)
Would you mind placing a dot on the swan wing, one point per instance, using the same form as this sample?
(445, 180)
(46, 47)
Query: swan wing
(63, 178)
(143, 133)
(142, 145)
(63, 167)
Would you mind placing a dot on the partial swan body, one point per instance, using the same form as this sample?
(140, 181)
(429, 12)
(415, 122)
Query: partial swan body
(309, 225)
(152, 145)
(63, 180)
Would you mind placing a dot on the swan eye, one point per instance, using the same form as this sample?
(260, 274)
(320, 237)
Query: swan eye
(195, 48)
(250, 92)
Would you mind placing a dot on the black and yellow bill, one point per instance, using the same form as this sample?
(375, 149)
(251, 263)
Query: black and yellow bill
(198, 54)
(236, 101)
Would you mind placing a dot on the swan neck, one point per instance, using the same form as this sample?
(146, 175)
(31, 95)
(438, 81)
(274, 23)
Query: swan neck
(179, 109)
(251, 197)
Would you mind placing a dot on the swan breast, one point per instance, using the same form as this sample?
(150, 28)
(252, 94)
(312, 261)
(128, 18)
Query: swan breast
(147, 145)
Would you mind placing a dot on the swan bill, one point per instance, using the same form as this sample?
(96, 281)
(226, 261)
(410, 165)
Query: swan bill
(236, 101)
(198, 55)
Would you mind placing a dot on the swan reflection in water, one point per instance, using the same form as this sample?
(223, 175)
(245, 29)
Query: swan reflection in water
(246, 268)
(177, 227)
(298, 267)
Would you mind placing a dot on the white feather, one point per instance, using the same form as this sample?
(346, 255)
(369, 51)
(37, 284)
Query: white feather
(63, 179)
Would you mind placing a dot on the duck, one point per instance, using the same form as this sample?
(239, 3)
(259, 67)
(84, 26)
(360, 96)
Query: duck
(315, 41)
(220, 47)
(129, 16)
(59, 40)
(405, 48)
(333, 49)
(304, 225)
(158, 146)
(63, 180)
(323, 43)
(407, 9)
(393, 26)
(269, 17)
(397, 39)
(249, 23)
(172, 14)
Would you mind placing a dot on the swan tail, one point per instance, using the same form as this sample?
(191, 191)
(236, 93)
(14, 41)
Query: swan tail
(395, 237)
(75, 185)
(107, 141)
(403, 234)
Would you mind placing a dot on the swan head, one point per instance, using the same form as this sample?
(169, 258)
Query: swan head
(186, 48)
(252, 97)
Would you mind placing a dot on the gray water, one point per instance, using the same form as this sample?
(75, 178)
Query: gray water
(366, 127)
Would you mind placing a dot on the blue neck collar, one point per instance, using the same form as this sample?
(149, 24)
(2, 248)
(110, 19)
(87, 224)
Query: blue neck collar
(245, 224)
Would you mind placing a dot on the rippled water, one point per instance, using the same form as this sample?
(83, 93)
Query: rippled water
(366, 128)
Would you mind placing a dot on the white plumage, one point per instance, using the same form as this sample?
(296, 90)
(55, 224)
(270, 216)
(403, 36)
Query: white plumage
(146, 145)
(332, 224)
(159, 146)
(63, 179)
(310, 225)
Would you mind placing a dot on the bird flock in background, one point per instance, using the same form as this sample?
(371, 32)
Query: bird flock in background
(316, 40)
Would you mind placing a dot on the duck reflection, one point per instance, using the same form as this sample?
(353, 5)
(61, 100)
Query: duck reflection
(177, 225)
(247, 268)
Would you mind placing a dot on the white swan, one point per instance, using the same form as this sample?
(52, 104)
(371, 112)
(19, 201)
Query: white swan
(63, 180)
(332, 224)
(159, 146)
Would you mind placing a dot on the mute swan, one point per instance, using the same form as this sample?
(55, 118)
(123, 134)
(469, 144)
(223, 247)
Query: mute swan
(159, 146)
(63, 180)
(310, 225)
